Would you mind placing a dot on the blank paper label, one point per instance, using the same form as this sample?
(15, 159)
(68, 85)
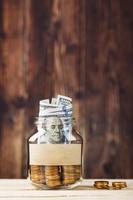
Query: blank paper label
(55, 154)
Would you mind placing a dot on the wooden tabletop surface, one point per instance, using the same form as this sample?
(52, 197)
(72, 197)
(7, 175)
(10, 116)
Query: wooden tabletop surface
(19, 189)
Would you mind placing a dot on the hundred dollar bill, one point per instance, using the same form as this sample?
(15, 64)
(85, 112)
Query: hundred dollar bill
(44, 105)
(50, 108)
(60, 100)
(63, 100)
(57, 110)
(44, 101)
(54, 100)
(66, 102)
(61, 106)
(59, 114)
(60, 109)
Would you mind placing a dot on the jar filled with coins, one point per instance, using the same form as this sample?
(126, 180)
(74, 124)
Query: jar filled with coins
(55, 150)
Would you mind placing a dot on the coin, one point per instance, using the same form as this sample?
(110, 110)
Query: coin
(101, 184)
(53, 183)
(53, 177)
(119, 185)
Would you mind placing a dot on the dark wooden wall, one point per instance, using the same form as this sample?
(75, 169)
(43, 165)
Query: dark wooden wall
(79, 48)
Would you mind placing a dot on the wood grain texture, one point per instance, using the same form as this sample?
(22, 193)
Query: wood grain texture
(108, 49)
(13, 89)
(82, 49)
(66, 50)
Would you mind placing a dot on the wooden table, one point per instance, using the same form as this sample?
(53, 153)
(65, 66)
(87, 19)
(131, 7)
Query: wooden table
(19, 189)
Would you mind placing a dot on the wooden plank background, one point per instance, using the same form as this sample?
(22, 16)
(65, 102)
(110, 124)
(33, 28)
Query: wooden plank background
(79, 48)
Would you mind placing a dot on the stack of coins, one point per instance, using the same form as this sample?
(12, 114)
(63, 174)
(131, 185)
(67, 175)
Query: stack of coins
(119, 185)
(37, 173)
(52, 175)
(101, 184)
(77, 172)
(69, 176)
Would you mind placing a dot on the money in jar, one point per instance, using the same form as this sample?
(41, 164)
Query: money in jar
(55, 150)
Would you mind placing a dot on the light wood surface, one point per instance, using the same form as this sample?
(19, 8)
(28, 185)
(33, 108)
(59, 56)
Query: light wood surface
(23, 189)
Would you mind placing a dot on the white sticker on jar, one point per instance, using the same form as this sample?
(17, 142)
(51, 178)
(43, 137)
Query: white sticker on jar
(55, 154)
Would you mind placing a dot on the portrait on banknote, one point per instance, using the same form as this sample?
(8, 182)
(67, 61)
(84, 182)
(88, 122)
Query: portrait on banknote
(54, 131)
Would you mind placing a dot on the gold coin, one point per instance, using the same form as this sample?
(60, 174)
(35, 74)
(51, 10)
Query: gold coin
(55, 177)
(69, 177)
(51, 167)
(41, 176)
(69, 172)
(53, 183)
(101, 184)
(35, 177)
(69, 166)
(50, 173)
(68, 181)
(35, 172)
(69, 169)
(119, 185)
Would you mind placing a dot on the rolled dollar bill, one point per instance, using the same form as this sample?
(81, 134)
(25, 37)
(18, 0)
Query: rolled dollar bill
(63, 100)
(54, 100)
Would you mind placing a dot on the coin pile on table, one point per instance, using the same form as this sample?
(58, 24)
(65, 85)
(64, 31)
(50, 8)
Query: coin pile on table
(105, 185)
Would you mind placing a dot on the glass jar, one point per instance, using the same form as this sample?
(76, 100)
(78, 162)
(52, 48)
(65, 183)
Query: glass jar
(55, 153)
